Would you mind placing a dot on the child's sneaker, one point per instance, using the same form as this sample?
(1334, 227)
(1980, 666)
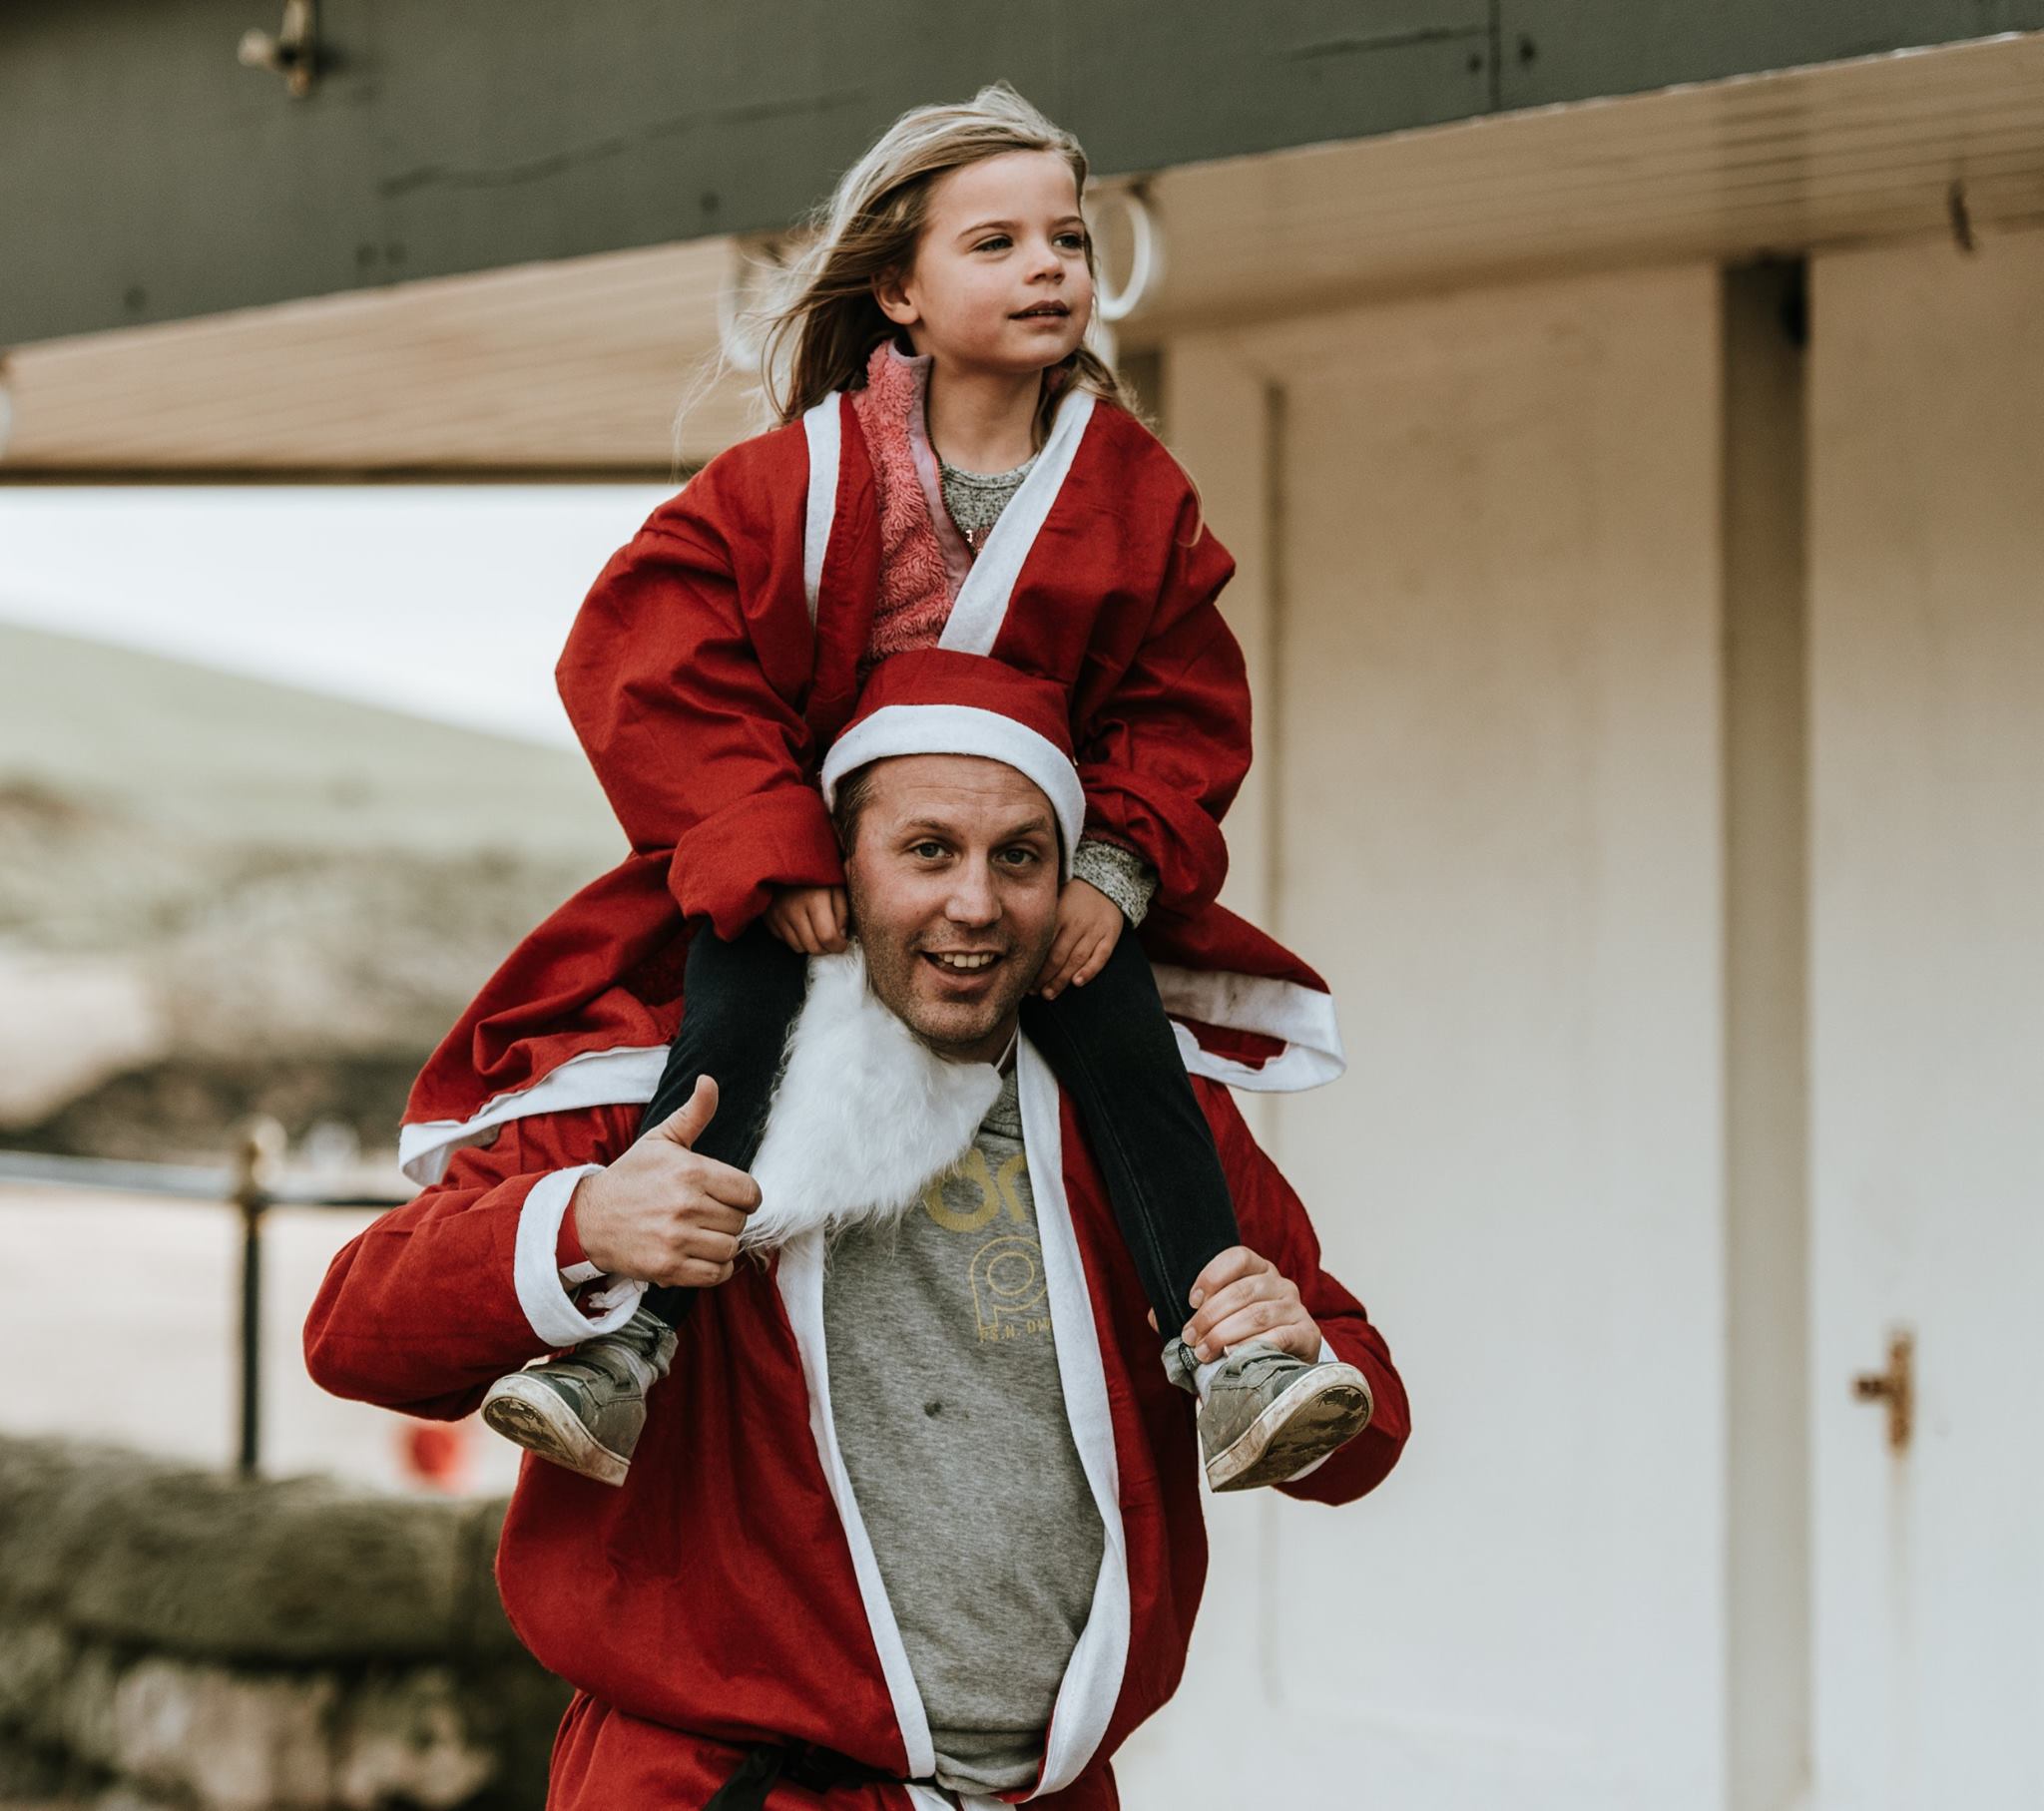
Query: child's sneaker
(1266, 1416)
(585, 1409)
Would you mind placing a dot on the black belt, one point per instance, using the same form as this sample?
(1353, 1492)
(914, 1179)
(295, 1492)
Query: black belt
(761, 1770)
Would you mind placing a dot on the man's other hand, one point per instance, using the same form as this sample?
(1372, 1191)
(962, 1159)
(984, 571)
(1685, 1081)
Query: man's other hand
(664, 1213)
(1241, 1296)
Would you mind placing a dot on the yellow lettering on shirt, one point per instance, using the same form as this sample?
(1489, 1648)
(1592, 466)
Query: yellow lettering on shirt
(972, 1169)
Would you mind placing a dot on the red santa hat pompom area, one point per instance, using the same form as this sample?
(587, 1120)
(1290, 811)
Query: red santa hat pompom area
(937, 702)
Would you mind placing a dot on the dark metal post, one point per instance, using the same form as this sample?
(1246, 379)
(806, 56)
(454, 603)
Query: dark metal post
(256, 1155)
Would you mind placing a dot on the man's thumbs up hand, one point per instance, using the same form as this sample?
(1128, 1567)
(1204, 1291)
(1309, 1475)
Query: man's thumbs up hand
(664, 1213)
(685, 1124)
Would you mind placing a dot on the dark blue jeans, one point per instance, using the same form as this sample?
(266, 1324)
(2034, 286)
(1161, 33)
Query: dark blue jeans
(1108, 1043)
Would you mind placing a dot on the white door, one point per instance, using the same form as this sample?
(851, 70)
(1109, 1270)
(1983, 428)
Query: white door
(1927, 1023)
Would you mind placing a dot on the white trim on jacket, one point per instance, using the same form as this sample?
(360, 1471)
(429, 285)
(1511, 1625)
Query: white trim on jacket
(822, 428)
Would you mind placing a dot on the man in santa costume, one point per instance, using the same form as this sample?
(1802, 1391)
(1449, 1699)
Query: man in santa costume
(914, 1518)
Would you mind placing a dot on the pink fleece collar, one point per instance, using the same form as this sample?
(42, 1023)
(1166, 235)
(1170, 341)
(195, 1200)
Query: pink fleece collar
(898, 385)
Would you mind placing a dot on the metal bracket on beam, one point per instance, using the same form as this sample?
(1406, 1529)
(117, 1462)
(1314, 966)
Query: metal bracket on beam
(1116, 303)
(293, 53)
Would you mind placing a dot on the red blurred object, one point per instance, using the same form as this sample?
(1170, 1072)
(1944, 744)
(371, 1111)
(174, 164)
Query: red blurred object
(436, 1453)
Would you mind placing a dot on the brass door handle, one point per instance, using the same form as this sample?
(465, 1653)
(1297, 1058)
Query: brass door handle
(1896, 1386)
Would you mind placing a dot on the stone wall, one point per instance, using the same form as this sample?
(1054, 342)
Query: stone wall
(174, 1639)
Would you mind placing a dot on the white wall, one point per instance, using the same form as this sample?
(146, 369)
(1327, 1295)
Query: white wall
(1484, 625)
(1928, 1018)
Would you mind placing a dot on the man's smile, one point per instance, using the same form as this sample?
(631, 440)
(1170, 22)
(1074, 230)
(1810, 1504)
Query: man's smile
(958, 965)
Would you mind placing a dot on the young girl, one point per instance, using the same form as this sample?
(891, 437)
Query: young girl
(972, 478)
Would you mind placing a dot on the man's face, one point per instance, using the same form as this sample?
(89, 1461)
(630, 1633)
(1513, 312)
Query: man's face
(953, 877)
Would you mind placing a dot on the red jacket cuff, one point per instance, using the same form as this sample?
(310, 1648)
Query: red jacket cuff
(568, 1251)
(726, 868)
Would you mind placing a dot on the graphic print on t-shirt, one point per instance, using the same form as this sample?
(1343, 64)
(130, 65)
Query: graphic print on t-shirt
(1005, 1271)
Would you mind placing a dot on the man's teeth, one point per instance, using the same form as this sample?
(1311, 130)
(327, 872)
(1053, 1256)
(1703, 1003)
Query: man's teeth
(979, 961)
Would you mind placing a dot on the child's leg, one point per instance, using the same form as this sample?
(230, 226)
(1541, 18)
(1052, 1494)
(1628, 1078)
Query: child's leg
(740, 999)
(1113, 1048)
(1265, 1414)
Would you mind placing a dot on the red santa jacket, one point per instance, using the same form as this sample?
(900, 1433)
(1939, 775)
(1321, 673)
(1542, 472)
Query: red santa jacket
(727, 1594)
(718, 655)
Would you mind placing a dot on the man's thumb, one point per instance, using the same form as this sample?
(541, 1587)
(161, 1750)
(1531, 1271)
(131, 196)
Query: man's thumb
(685, 1124)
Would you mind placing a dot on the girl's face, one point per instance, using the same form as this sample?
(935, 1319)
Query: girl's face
(1000, 282)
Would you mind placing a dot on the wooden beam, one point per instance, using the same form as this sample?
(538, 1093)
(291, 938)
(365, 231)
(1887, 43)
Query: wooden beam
(147, 176)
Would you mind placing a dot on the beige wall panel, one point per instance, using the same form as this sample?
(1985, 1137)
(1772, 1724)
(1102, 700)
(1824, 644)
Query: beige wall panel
(1927, 1018)
(1496, 734)
(1218, 411)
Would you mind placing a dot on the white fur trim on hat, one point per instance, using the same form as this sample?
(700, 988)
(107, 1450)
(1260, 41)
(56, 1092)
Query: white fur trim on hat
(964, 729)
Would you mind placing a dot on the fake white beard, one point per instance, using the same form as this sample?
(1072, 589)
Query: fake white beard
(866, 1115)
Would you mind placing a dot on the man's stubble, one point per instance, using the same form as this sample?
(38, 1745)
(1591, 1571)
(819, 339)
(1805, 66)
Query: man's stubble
(893, 959)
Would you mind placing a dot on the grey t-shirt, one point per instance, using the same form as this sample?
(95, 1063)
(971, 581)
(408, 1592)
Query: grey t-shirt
(946, 1393)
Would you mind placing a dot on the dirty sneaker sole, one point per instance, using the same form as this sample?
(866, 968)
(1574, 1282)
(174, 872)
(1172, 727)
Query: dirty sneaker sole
(528, 1414)
(1324, 1410)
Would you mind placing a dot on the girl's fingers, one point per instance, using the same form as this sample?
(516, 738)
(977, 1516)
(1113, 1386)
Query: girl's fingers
(1057, 966)
(831, 918)
(1093, 960)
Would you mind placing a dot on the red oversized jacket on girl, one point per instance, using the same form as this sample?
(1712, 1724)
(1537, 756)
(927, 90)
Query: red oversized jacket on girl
(720, 652)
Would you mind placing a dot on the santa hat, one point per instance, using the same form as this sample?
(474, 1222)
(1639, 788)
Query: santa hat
(935, 701)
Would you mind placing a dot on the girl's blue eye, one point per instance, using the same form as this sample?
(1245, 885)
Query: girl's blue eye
(1075, 240)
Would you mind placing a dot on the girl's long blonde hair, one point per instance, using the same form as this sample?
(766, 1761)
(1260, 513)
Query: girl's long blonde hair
(821, 321)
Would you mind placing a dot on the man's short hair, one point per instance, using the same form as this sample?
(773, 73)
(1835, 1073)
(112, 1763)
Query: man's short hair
(853, 793)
